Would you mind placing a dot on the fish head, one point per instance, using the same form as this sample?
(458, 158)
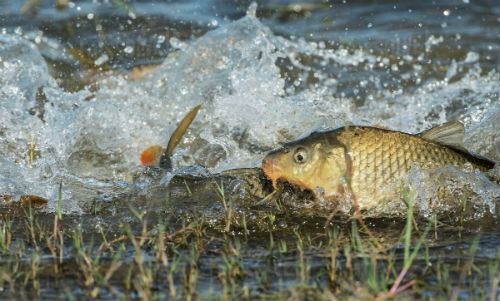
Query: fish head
(316, 163)
(296, 162)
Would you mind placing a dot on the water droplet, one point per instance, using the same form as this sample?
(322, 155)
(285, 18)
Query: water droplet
(128, 49)
(471, 57)
(176, 43)
(252, 10)
(101, 60)
(370, 25)
(38, 38)
(446, 12)
(90, 16)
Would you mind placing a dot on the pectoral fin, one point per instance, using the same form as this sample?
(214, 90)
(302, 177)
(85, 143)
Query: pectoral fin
(151, 156)
(181, 129)
(161, 157)
(165, 161)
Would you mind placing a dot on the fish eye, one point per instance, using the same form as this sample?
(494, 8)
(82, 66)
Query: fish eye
(300, 155)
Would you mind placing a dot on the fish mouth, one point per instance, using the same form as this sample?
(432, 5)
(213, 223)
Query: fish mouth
(271, 169)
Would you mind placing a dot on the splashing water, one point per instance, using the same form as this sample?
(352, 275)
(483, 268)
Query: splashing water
(257, 91)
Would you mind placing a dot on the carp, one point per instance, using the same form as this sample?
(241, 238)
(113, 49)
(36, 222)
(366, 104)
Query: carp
(368, 162)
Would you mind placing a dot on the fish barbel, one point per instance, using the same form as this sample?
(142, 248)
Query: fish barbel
(371, 160)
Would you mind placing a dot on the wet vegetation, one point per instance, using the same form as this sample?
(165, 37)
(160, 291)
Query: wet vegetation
(156, 255)
(196, 234)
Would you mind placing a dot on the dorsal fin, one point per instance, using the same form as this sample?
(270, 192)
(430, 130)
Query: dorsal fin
(450, 134)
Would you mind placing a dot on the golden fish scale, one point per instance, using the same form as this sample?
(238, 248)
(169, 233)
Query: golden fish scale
(380, 157)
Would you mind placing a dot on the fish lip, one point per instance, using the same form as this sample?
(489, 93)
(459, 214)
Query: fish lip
(271, 169)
